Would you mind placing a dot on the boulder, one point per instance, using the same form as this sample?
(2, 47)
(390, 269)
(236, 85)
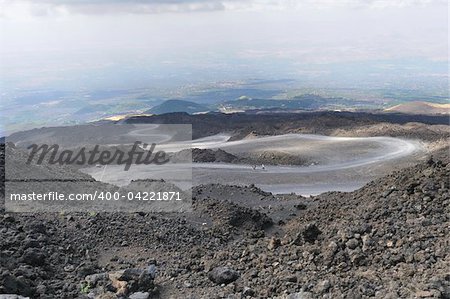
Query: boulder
(223, 275)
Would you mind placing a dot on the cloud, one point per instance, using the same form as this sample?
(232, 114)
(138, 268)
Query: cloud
(39, 8)
(299, 4)
(25, 9)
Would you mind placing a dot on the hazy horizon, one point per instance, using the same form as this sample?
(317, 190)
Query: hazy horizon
(171, 48)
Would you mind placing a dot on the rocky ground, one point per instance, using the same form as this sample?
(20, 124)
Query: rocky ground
(325, 123)
(266, 157)
(386, 240)
(389, 239)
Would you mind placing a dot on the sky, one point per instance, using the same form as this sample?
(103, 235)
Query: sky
(58, 57)
(45, 40)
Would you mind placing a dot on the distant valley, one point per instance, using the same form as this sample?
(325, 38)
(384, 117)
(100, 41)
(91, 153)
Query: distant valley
(35, 108)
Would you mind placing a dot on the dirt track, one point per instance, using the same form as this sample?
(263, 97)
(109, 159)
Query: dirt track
(334, 163)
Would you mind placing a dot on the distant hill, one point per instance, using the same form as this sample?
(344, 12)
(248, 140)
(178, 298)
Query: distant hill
(420, 108)
(170, 106)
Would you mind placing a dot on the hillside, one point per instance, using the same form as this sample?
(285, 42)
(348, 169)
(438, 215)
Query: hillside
(386, 240)
(420, 108)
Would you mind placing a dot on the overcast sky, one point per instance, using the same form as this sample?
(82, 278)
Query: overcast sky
(215, 32)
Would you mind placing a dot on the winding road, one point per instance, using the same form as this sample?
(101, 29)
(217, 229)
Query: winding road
(340, 163)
